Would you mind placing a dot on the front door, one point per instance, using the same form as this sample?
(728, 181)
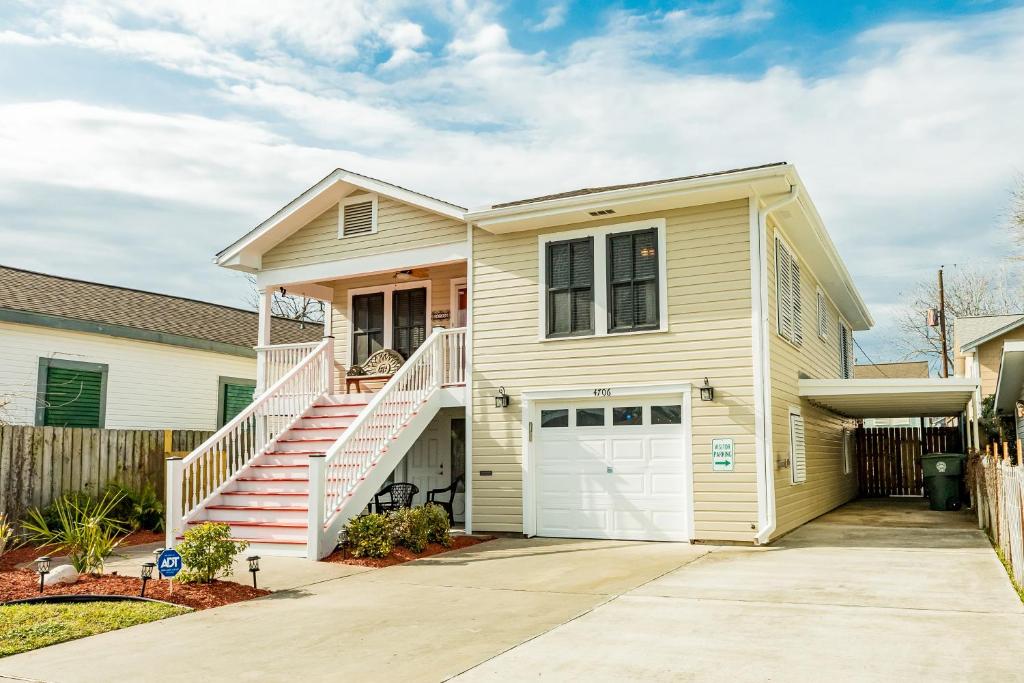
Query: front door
(461, 305)
(428, 464)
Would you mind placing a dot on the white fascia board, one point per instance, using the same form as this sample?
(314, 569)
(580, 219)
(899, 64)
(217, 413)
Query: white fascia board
(1011, 377)
(280, 219)
(363, 265)
(554, 211)
(811, 388)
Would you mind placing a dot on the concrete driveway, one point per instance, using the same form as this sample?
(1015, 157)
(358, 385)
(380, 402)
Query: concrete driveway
(869, 591)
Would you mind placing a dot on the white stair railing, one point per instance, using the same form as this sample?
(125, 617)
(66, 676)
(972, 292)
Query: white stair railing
(194, 480)
(275, 361)
(438, 361)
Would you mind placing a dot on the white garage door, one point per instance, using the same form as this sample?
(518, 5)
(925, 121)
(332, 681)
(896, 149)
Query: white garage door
(614, 469)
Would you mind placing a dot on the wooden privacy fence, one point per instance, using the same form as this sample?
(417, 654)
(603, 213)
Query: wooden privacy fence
(889, 458)
(997, 486)
(39, 464)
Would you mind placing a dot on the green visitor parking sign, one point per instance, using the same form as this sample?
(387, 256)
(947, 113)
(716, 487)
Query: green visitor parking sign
(722, 455)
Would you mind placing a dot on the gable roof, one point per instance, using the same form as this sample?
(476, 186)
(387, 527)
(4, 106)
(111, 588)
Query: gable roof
(314, 201)
(608, 188)
(37, 298)
(904, 370)
(972, 331)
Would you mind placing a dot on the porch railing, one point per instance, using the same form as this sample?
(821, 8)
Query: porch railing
(273, 362)
(194, 480)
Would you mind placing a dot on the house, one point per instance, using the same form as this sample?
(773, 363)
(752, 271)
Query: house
(978, 348)
(84, 354)
(905, 369)
(668, 360)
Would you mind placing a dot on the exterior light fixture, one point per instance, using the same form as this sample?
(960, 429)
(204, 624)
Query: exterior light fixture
(343, 542)
(284, 292)
(254, 566)
(42, 568)
(501, 400)
(147, 574)
(707, 392)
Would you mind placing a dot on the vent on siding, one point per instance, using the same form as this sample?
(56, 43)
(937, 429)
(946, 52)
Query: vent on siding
(602, 212)
(357, 219)
(798, 455)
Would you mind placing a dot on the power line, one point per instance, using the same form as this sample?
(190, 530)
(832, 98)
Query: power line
(871, 362)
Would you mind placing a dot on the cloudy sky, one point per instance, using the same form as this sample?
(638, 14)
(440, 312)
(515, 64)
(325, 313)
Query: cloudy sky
(138, 137)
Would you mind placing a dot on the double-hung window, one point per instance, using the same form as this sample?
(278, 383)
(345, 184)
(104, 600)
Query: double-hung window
(570, 287)
(633, 281)
(787, 272)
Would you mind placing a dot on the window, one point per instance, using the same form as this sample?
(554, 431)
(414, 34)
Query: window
(71, 394)
(845, 351)
(625, 417)
(666, 415)
(797, 454)
(633, 281)
(357, 216)
(787, 286)
(409, 320)
(235, 396)
(590, 417)
(570, 287)
(554, 418)
(367, 325)
(822, 316)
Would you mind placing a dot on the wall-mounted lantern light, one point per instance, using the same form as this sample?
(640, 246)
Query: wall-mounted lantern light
(42, 568)
(501, 400)
(146, 575)
(707, 392)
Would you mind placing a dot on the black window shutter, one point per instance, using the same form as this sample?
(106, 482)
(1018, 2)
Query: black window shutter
(570, 287)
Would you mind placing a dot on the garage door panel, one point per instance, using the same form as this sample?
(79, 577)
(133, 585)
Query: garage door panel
(665, 449)
(668, 484)
(557, 484)
(623, 485)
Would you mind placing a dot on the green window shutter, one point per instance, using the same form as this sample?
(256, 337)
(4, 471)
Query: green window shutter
(235, 399)
(73, 398)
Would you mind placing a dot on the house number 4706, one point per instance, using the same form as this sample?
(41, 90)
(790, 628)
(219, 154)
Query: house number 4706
(602, 392)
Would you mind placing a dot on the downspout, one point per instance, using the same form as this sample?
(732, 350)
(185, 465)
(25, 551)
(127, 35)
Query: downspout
(762, 365)
(468, 471)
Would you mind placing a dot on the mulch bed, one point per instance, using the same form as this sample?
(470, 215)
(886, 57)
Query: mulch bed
(402, 555)
(13, 558)
(24, 583)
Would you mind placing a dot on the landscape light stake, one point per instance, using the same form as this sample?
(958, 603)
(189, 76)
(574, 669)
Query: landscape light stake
(254, 566)
(42, 568)
(156, 556)
(147, 574)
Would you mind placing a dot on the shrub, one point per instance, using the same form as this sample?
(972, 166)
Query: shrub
(8, 540)
(140, 508)
(84, 528)
(370, 536)
(50, 514)
(207, 551)
(409, 528)
(439, 529)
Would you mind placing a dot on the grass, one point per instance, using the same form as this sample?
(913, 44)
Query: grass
(27, 627)
(1009, 570)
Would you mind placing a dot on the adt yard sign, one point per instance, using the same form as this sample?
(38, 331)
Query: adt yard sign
(722, 455)
(169, 563)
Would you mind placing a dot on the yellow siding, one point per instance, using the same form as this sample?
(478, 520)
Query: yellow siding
(826, 486)
(990, 355)
(440, 278)
(709, 312)
(400, 227)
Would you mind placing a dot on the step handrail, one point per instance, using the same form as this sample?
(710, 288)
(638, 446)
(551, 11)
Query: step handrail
(205, 472)
(421, 375)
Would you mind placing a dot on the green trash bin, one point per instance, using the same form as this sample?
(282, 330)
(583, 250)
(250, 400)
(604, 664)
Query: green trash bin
(942, 479)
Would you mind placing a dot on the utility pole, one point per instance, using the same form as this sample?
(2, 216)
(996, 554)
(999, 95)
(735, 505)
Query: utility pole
(942, 325)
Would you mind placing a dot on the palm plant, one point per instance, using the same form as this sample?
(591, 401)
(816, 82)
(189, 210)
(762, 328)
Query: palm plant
(8, 540)
(84, 529)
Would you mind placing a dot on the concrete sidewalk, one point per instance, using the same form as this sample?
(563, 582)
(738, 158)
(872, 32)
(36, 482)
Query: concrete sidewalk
(872, 591)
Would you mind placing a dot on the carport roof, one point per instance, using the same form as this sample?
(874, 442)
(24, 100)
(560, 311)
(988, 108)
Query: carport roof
(864, 398)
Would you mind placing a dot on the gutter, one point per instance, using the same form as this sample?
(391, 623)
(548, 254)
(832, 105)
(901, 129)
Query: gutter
(762, 365)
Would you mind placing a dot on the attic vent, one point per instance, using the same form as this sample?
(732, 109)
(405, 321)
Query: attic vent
(358, 217)
(602, 212)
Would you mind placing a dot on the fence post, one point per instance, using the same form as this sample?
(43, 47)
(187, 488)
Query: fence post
(315, 511)
(172, 501)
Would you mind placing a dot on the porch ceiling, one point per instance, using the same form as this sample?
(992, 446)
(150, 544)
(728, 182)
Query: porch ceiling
(864, 398)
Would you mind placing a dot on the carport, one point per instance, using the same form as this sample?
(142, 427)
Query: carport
(889, 458)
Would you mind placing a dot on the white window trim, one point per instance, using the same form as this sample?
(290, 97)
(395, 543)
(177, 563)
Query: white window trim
(388, 323)
(794, 410)
(600, 234)
(453, 300)
(779, 238)
(357, 199)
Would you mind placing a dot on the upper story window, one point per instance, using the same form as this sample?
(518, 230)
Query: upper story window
(357, 215)
(787, 270)
(633, 281)
(822, 316)
(845, 351)
(602, 280)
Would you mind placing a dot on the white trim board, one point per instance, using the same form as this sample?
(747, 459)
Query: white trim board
(600, 312)
(531, 400)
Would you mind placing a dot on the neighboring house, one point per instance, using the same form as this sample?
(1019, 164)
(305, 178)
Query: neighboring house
(83, 354)
(978, 346)
(906, 369)
(667, 360)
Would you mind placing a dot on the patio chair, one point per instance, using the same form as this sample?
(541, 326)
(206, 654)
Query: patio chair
(451, 490)
(399, 495)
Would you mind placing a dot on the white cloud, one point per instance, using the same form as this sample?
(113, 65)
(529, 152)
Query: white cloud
(554, 16)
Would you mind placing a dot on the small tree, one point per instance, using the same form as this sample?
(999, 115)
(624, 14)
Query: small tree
(208, 552)
(301, 308)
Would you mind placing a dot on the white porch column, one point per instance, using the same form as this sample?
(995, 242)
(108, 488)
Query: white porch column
(263, 336)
